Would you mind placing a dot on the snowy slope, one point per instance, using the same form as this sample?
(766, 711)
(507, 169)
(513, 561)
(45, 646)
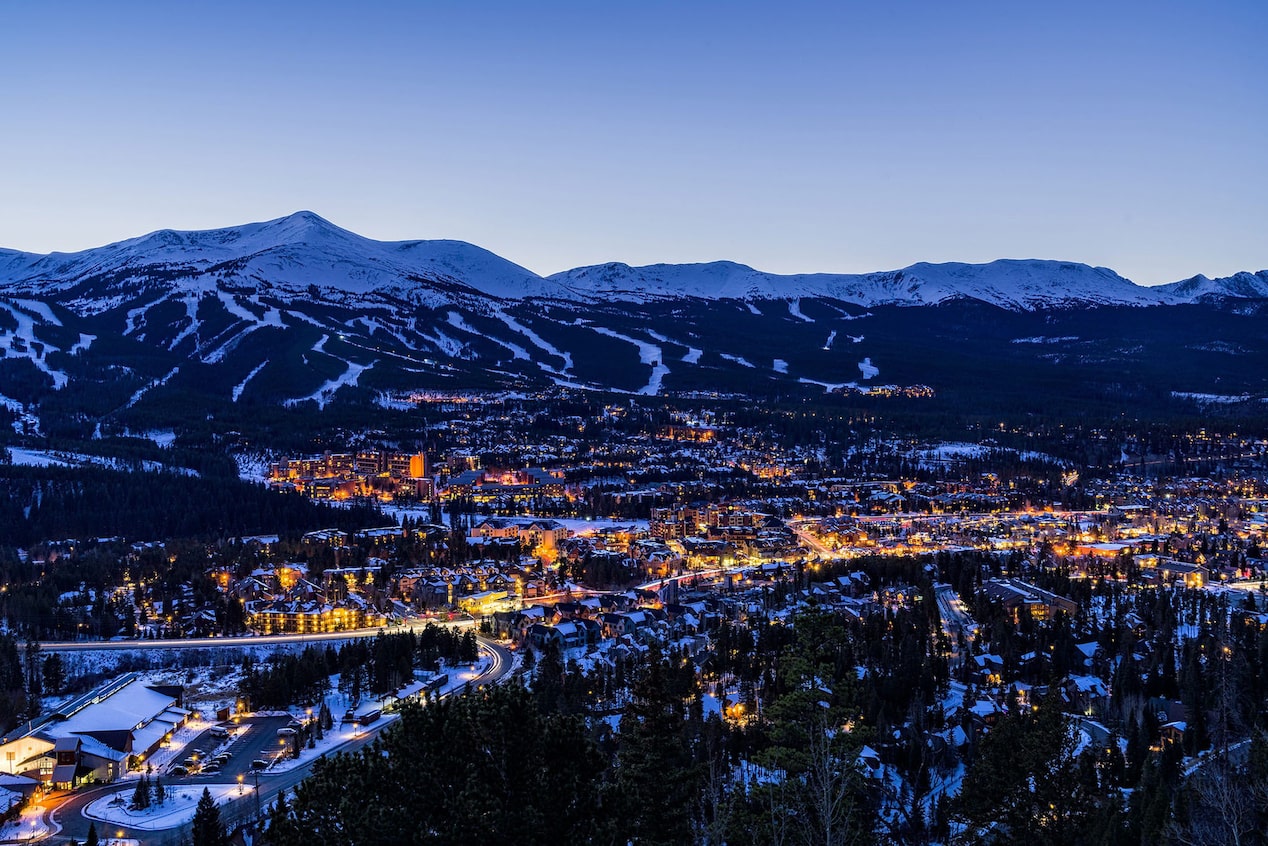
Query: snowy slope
(1240, 285)
(303, 254)
(291, 253)
(1014, 284)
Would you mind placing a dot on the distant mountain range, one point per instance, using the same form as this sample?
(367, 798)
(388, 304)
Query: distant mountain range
(297, 309)
(304, 249)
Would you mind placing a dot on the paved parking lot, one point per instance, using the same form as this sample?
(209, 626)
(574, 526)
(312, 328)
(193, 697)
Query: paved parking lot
(252, 738)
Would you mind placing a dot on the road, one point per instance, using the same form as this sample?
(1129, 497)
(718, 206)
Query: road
(260, 738)
(813, 542)
(955, 621)
(240, 642)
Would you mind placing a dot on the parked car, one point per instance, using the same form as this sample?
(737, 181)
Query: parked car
(257, 764)
(179, 770)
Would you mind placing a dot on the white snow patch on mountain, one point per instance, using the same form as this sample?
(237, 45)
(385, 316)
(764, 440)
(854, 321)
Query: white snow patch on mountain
(738, 359)
(828, 387)
(191, 314)
(537, 341)
(135, 314)
(869, 370)
(84, 342)
(692, 355)
(794, 308)
(162, 380)
(242, 386)
(517, 352)
(649, 354)
(23, 344)
(323, 395)
(780, 365)
(39, 309)
(450, 347)
(832, 336)
(1042, 339)
(1211, 399)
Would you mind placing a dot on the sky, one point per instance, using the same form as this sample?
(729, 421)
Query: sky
(790, 136)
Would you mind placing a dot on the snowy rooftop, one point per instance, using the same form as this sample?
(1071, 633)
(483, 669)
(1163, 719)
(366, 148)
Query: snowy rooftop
(130, 707)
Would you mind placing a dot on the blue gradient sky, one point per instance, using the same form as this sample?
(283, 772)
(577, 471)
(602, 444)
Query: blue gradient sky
(789, 136)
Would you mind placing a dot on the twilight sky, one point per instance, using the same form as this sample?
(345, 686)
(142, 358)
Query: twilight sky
(791, 136)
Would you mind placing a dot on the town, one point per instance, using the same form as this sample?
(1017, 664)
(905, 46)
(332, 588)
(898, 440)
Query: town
(967, 585)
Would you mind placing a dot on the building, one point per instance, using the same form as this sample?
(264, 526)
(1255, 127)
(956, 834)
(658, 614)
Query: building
(92, 738)
(294, 616)
(1015, 596)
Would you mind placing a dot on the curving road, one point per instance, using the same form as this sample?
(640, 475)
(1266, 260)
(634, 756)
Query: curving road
(67, 815)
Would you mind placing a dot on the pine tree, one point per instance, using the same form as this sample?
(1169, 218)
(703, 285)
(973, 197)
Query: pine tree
(92, 836)
(207, 829)
(141, 796)
(160, 792)
(654, 770)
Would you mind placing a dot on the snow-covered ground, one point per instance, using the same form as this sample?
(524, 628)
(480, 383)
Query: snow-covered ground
(780, 365)
(342, 733)
(29, 825)
(22, 343)
(337, 736)
(794, 308)
(176, 810)
(869, 370)
(693, 354)
(242, 386)
(828, 387)
(518, 352)
(537, 340)
(649, 354)
(323, 395)
(47, 458)
(162, 380)
(1211, 399)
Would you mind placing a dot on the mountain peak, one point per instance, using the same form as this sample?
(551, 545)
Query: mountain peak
(304, 249)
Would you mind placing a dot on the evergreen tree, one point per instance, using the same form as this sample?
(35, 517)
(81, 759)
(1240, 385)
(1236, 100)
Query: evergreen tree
(207, 829)
(141, 795)
(160, 792)
(54, 673)
(655, 778)
(92, 840)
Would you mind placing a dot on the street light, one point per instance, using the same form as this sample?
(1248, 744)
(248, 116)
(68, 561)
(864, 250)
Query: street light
(240, 777)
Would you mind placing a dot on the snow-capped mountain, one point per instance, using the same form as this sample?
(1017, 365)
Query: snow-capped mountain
(1009, 283)
(297, 310)
(295, 253)
(288, 254)
(1242, 285)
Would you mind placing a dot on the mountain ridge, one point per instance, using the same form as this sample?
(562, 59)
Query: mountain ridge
(303, 249)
